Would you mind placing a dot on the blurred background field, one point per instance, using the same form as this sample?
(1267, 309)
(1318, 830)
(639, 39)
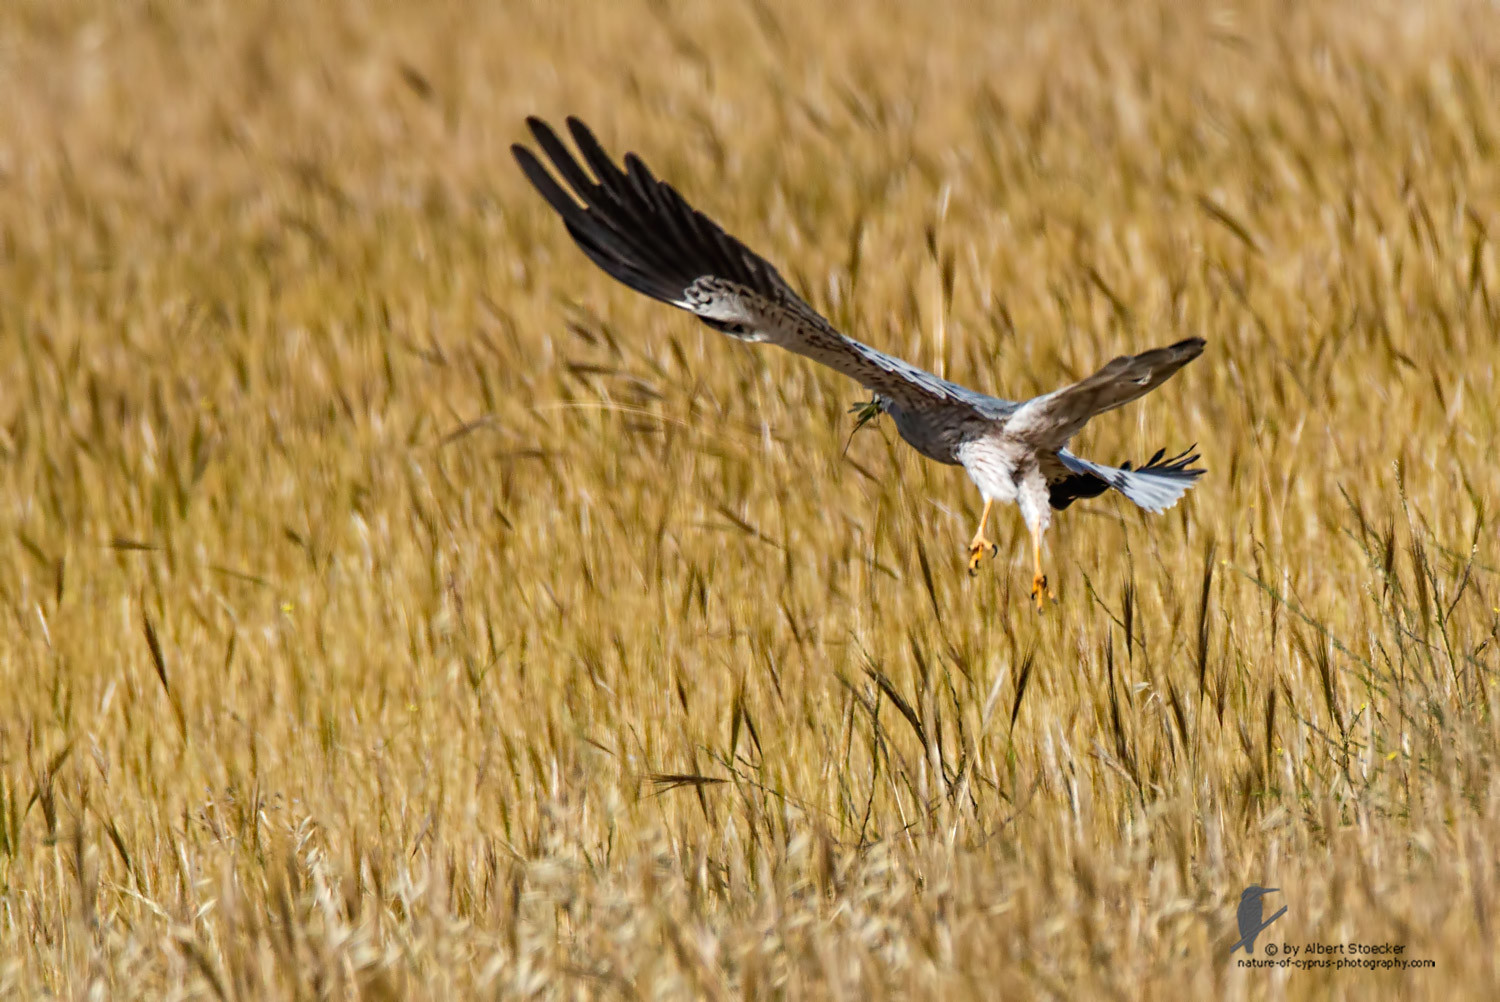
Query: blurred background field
(394, 607)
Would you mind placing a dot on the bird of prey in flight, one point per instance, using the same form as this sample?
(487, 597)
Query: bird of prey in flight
(643, 233)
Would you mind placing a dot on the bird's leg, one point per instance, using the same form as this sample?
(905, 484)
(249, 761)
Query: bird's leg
(979, 544)
(1039, 589)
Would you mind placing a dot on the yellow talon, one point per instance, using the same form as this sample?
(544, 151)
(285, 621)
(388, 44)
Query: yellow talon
(979, 544)
(1040, 591)
(977, 551)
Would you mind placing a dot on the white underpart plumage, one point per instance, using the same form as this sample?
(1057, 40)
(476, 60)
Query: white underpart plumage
(1006, 472)
(991, 466)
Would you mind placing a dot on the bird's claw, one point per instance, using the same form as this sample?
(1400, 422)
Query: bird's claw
(977, 553)
(1040, 592)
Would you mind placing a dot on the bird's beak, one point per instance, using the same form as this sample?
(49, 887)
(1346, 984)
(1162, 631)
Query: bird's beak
(1268, 890)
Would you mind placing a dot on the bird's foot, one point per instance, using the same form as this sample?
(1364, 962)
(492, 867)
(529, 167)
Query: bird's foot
(977, 551)
(1040, 592)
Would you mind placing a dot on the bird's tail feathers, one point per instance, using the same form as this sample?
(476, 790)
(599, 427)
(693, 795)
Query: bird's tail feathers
(1160, 483)
(1156, 485)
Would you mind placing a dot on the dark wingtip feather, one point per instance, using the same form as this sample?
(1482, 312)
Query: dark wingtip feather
(636, 225)
(562, 202)
(539, 129)
(645, 234)
(593, 153)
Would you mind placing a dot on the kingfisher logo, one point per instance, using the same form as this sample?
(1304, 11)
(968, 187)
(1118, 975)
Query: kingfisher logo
(1249, 915)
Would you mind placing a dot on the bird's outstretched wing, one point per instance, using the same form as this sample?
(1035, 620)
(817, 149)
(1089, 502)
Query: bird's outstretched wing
(1048, 421)
(643, 233)
(1156, 485)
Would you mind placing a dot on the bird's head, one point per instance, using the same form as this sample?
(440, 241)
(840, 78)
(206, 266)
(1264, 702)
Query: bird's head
(1255, 891)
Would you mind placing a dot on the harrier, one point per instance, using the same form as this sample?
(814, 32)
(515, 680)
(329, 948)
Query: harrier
(644, 234)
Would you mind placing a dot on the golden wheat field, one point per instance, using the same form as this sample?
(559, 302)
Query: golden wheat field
(395, 607)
